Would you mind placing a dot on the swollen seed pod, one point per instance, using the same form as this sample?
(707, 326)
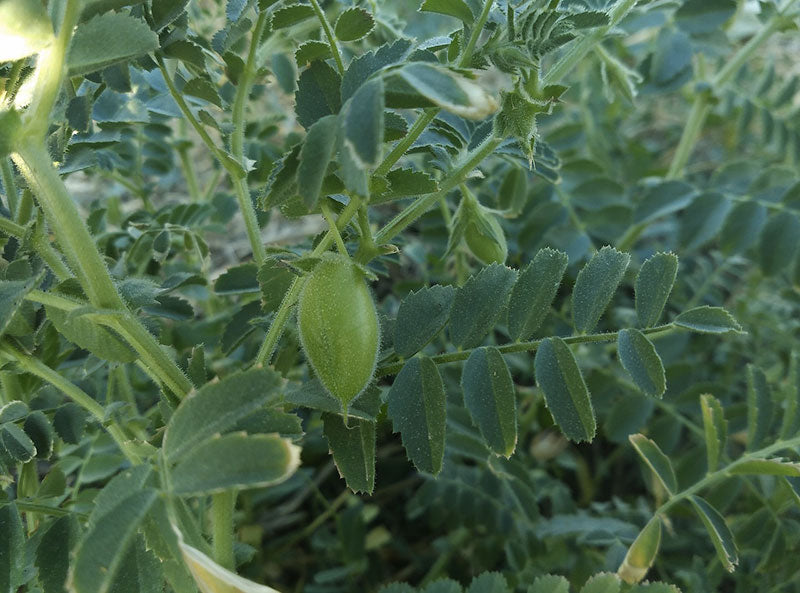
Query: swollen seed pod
(339, 328)
(485, 238)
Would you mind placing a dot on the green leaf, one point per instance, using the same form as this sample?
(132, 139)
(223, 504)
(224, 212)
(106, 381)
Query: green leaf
(53, 553)
(311, 50)
(595, 286)
(25, 29)
(234, 461)
(140, 570)
(549, 584)
(12, 548)
(167, 11)
(315, 156)
(443, 586)
(766, 467)
(404, 183)
(455, 8)
(361, 68)
(708, 320)
(715, 427)
(653, 285)
(274, 280)
(791, 412)
(662, 199)
(603, 582)
(565, 392)
(534, 292)
(759, 407)
(704, 16)
(742, 227)
(488, 582)
(16, 444)
(108, 39)
(448, 89)
(353, 24)
(417, 408)
(353, 450)
(90, 336)
(12, 299)
(13, 411)
(721, 536)
(291, 15)
(479, 303)
(318, 93)
(118, 489)
(640, 359)
(239, 279)
(102, 550)
(421, 316)
(69, 421)
(490, 398)
(703, 219)
(778, 242)
(40, 431)
(642, 553)
(656, 461)
(217, 407)
(363, 124)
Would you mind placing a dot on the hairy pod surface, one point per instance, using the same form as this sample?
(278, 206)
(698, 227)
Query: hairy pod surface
(339, 327)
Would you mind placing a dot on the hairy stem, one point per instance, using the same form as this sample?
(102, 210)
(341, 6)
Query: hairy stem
(326, 27)
(222, 506)
(477, 27)
(532, 346)
(50, 71)
(237, 142)
(421, 204)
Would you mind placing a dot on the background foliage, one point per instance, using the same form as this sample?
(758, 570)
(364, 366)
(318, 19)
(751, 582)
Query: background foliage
(579, 223)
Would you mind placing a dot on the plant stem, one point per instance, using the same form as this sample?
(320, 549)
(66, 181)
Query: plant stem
(421, 204)
(37, 368)
(701, 107)
(50, 70)
(189, 173)
(323, 20)
(326, 212)
(403, 145)
(577, 51)
(237, 142)
(477, 27)
(289, 299)
(73, 236)
(222, 506)
(9, 185)
(723, 473)
(532, 346)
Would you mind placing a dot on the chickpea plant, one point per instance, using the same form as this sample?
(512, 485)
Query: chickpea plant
(482, 296)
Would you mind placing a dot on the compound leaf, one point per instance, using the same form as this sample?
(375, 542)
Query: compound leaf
(478, 304)
(421, 316)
